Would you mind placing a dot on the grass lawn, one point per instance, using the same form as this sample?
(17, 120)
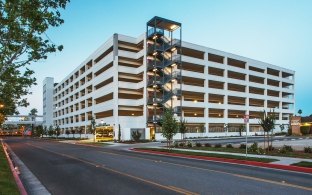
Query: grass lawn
(294, 154)
(266, 160)
(303, 164)
(7, 182)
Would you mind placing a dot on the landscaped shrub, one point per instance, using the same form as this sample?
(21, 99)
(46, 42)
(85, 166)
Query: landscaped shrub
(286, 149)
(229, 146)
(307, 149)
(181, 144)
(176, 144)
(189, 144)
(208, 145)
(136, 135)
(254, 148)
(242, 146)
(280, 133)
(218, 145)
(198, 144)
(305, 130)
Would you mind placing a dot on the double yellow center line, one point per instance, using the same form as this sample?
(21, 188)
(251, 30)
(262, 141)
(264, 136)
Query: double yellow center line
(171, 188)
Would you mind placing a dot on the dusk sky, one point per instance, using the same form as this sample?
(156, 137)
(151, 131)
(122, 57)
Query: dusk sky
(277, 32)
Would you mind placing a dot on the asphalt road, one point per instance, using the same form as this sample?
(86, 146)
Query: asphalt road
(75, 169)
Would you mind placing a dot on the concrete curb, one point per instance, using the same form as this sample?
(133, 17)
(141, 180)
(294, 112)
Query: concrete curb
(14, 172)
(232, 161)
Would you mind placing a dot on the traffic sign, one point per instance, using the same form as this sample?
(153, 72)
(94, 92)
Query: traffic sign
(246, 118)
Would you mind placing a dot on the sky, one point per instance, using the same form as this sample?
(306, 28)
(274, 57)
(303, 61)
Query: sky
(277, 32)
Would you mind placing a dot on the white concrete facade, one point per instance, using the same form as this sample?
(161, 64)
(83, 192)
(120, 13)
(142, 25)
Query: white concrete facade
(218, 89)
(48, 88)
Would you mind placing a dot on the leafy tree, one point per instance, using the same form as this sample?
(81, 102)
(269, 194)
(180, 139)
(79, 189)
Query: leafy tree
(136, 135)
(57, 131)
(51, 131)
(267, 122)
(300, 112)
(73, 131)
(169, 126)
(67, 133)
(119, 133)
(80, 130)
(45, 131)
(23, 40)
(14, 85)
(39, 131)
(93, 128)
(182, 128)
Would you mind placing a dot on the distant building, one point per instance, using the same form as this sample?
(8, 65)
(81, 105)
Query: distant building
(15, 124)
(297, 121)
(128, 81)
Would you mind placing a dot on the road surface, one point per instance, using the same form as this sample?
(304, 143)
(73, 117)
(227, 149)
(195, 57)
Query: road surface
(76, 169)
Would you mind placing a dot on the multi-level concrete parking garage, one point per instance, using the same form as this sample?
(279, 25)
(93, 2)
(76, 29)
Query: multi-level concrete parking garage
(128, 81)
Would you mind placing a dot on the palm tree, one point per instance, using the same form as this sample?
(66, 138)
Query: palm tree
(300, 112)
(267, 122)
(33, 114)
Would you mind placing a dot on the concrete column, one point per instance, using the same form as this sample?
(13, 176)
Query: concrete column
(225, 101)
(247, 98)
(206, 96)
(115, 91)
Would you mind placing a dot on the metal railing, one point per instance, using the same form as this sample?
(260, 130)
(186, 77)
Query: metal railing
(153, 31)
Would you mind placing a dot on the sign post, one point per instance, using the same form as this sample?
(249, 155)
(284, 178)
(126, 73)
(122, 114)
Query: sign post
(246, 121)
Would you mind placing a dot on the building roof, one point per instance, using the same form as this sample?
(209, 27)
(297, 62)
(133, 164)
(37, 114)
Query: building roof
(306, 119)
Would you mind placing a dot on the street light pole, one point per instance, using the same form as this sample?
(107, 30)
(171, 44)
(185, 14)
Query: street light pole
(246, 121)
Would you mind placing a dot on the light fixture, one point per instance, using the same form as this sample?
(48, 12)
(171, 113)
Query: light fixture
(154, 86)
(219, 114)
(155, 69)
(173, 64)
(154, 54)
(219, 102)
(173, 49)
(195, 114)
(236, 116)
(155, 104)
(155, 36)
(173, 27)
(195, 101)
(132, 114)
(172, 80)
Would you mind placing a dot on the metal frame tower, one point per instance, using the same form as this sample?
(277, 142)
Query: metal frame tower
(164, 72)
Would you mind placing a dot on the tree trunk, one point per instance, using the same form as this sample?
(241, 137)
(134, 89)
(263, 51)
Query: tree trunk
(263, 140)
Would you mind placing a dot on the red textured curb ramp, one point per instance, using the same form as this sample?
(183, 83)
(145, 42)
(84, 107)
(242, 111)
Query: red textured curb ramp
(15, 175)
(244, 162)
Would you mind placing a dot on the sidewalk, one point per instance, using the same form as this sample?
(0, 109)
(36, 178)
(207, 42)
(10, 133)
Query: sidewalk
(281, 160)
